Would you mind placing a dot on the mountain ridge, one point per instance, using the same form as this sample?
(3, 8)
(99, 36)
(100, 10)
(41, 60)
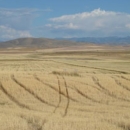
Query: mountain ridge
(101, 40)
(38, 43)
(47, 43)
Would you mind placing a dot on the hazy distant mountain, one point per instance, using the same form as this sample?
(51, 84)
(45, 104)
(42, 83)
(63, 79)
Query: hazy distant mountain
(45, 43)
(38, 43)
(102, 40)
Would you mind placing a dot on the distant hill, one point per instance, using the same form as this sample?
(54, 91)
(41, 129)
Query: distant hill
(102, 40)
(38, 43)
(45, 43)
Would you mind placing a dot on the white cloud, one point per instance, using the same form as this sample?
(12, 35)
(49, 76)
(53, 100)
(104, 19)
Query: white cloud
(10, 33)
(95, 23)
(83, 16)
(64, 26)
(16, 23)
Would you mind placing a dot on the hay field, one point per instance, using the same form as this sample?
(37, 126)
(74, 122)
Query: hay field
(65, 91)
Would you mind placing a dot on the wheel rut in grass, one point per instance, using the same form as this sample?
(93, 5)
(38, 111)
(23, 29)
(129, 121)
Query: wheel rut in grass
(31, 92)
(120, 84)
(106, 91)
(55, 89)
(86, 96)
(59, 94)
(125, 78)
(68, 99)
(96, 68)
(12, 98)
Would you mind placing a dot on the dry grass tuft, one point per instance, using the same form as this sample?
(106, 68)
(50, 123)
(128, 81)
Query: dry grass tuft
(124, 126)
(66, 73)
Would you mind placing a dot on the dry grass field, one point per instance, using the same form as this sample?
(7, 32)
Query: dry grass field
(65, 91)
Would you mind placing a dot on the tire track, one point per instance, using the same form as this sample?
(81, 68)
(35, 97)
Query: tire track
(74, 89)
(96, 81)
(68, 99)
(59, 95)
(116, 71)
(125, 78)
(52, 87)
(94, 87)
(12, 98)
(86, 96)
(83, 83)
(106, 91)
(30, 91)
(120, 84)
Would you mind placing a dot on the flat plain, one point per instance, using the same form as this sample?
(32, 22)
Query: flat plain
(65, 90)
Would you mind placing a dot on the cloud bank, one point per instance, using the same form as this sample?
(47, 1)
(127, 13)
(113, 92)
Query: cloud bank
(95, 23)
(10, 33)
(16, 23)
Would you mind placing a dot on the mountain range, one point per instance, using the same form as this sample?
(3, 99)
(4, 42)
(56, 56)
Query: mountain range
(101, 40)
(38, 43)
(46, 43)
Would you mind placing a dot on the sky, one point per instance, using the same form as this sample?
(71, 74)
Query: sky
(64, 18)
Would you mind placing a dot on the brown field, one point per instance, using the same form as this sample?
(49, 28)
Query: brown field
(71, 90)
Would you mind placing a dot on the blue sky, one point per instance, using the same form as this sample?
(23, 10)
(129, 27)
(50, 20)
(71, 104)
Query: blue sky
(64, 18)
